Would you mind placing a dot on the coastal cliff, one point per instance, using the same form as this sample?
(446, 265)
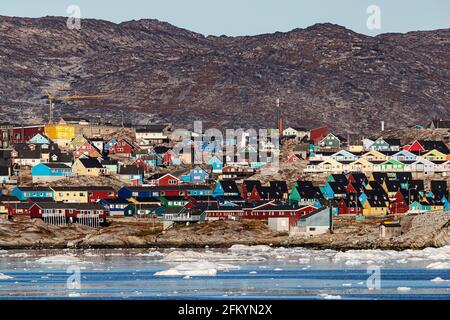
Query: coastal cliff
(419, 231)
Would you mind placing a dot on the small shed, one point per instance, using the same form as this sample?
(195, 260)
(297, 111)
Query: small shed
(279, 224)
(390, 229)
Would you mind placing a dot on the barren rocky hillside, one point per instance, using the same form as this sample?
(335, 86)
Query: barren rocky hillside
(324, 74)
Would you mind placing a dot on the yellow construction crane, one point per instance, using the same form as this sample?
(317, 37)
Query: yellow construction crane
(51, 98)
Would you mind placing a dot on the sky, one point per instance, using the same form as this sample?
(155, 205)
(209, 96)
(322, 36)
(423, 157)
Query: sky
(250, 17)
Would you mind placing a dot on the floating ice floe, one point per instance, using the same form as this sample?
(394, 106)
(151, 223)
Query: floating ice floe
(439, 279)
(330, 296)
(19, 255)
(193, 256)
(4, 277)
(439, 265)
(73, 294)
(149, 254)
(59, 259)
(403, 289)
(199, 269)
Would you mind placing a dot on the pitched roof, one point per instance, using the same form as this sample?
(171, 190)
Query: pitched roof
(403, 176)
(435, 144)
(229, 186)
(56, 165)
(130, 169)
(90, 163)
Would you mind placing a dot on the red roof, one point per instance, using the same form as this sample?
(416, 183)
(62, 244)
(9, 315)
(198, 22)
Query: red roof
(318, 134)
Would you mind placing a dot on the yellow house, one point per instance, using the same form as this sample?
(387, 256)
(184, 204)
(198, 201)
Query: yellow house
(70, 194)
(373, 207)
(374, 156)
(361, 165)
(330, 165)
(356, 148)
(77, 142)
(435, 155)
(61, 133)
(88, 167)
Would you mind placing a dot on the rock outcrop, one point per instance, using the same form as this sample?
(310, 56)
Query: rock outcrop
(324, 74)
(421, 231)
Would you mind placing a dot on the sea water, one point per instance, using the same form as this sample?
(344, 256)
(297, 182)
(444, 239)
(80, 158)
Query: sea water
(240, 272)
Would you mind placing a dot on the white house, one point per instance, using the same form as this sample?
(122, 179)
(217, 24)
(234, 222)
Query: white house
(297, 132)
(152, 133)
(423, 166)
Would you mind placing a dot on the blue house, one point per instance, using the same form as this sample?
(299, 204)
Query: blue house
(111, 143)
(446, 203)
(196, 175)
(39, 138)
(138, 192)
(404, 156)
(47, 172)
(116, 207)
(334, 190)
(380, 145)
(216, 163)
(25, 193)
(226, 188)
(199, 191)
(344, 155)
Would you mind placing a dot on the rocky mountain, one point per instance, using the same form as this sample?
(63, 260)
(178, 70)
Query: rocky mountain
(153, 71)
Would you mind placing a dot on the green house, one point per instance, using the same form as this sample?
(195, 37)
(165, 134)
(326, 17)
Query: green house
(392, 164)
(417, 206)
(173, 201)
(330, 141)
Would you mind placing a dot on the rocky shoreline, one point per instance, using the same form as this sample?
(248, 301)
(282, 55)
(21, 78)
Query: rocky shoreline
(422, 231)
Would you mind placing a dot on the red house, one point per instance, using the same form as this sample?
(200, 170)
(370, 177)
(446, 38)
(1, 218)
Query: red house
(414, 147)
(95, 194)
(23, 134)
(274, 210)
(71, 211)
(251, 190)
(223, 213)
(122, 148)
(141, 164)
(350, 207)
(88, 150)
(400, 204)
(318, 134)
(163, 179)
(21, 209)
